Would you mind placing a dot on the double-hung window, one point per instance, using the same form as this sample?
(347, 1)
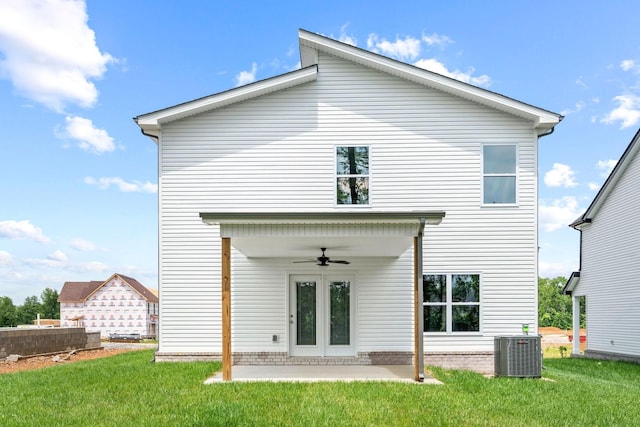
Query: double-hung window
(451, 302)
(352, 175)
(499, 174)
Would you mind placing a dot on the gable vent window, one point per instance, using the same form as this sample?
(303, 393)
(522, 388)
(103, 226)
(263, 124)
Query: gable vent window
(499, 174)
(352, 175)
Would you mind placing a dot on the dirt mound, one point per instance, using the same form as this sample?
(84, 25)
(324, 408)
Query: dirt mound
(552, 330)
(39, 362)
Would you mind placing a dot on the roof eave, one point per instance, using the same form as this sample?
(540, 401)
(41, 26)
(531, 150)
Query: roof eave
(626, 158)
(542, 120)
(571, 284)
(151, 123)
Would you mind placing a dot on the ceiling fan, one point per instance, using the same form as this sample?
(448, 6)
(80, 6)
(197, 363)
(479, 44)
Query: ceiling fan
(323, 260)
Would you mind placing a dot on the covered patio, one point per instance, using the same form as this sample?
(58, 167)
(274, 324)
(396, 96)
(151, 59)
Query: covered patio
(359, 234)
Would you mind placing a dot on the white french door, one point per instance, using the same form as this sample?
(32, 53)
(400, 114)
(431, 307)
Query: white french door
(321, 319)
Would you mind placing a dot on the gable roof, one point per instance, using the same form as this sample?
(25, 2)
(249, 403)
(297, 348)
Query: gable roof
(629, 153)
(77, 291)
(81, 291)
(310, 44)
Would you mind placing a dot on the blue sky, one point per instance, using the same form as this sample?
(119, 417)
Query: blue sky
(78, 181)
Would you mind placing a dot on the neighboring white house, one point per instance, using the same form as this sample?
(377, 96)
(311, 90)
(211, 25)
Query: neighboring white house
(610, 264)
(425, 184)
(119, 305)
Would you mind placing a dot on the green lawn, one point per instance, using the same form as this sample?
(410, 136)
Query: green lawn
(129, 389)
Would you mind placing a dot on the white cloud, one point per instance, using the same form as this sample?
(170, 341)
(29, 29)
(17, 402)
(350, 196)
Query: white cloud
(550, 270)
(22, 230)
(578, 107)
(627, 112)
(593, 186)
(58, 256)
(436, 40)
(409, 48)
(560, 176)
(628, 64)
(246, 77)
(560, 213)
(50, 53)
(582, 84)
(93, 266)
(82, 245)
(438, 67)
(57, 259)
(124, 186)
(5, 259)
(606, 166)
(345, 38)
(90, 137)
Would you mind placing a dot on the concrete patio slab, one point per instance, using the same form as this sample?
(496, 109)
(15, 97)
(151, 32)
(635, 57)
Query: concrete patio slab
(319, 373)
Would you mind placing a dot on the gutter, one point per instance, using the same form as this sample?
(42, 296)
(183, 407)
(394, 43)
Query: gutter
(420, 319)
(548, 133)
(153, 137)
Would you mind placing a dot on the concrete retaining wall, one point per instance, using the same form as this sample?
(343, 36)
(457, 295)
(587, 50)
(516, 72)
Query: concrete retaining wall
(29, 342)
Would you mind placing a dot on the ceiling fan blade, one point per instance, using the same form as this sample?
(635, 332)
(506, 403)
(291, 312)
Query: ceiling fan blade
(308, 260)
(339, 261)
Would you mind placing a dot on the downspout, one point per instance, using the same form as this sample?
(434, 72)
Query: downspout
(420, 319)
(548, 133)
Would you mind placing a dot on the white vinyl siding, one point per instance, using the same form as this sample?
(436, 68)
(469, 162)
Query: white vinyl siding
(611, 268)
(277, 153)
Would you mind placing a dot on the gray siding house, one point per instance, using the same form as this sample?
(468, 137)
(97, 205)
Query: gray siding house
(358, 210)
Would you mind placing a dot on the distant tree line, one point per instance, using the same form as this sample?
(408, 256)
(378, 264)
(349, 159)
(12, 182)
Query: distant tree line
(554, 307)
(47, 305)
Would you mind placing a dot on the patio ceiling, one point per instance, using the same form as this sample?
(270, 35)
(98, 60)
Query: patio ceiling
(301, 235)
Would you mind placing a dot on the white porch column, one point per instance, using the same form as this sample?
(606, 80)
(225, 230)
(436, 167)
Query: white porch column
(576, 324)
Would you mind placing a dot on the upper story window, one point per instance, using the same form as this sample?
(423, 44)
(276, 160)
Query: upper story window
(352, 175)
(451, 302)
(499, 174)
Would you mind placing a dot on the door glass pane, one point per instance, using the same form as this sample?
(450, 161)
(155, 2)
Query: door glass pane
(306, 313)
(340, 316)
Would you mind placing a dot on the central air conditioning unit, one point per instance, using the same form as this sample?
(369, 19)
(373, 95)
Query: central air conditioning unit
(518, 356)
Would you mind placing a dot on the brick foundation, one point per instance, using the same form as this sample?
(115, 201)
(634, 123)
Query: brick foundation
(481, 362)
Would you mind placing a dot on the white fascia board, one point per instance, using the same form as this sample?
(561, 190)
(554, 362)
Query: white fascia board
(151, 123)
(350, 217)
(627, 157)
(542, 120)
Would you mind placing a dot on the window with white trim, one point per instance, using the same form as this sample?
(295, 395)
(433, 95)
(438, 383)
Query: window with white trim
(451, 302)
(352, 175)
(499, 174)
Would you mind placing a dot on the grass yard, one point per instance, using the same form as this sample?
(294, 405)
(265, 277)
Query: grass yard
(128, 389)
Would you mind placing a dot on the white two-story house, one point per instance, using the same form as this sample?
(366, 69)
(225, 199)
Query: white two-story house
(358, 210)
